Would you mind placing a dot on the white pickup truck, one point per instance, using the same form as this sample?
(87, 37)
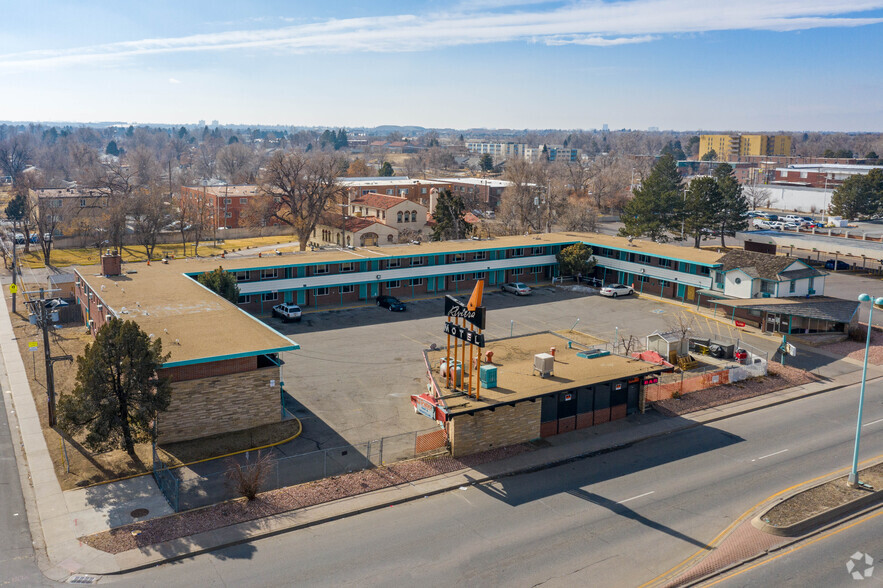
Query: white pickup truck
(287, 312)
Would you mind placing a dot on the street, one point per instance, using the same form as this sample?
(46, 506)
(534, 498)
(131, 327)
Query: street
(617, 519)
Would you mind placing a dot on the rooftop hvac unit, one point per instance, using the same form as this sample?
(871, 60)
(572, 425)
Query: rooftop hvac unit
(544, 363)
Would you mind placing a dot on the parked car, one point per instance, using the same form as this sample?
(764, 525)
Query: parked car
(840, 265)
(517, 288)
(791, 218)
(791, 225)
(614, 290)
(591, 281)
(287, 312)
(760, 223)
(391, 303)
(777, 225)
(771, 217)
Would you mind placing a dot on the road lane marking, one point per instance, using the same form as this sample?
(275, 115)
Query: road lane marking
(873, 423)
(769, 455)
(636, 497)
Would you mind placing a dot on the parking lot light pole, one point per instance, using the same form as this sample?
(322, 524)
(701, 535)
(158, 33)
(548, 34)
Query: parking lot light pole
(852, 480)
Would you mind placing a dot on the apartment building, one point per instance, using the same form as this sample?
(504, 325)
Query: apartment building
(734, 147)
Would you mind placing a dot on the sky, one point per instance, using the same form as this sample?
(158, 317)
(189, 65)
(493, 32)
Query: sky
(698, 65)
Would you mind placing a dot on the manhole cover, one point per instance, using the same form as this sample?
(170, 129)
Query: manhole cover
(139, 512)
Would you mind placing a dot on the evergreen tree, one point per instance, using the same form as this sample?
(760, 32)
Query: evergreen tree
(182, 132)
(710, 155)
(222, 283)
(448, 217)
(341, 140)
(386, 170)
(701, 208)
(731, 215)
(656, 206)
(130, 131)
(117, 394)
(576, 260)
(674, 149)
(327, 138)
(486, 162)
(859, 196)
(232, 139)
(112, 149)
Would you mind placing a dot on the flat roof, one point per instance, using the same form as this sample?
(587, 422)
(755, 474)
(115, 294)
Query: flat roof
(824, 243)
(514, 359)
(818, 307)
(478, 182)
(173, 307)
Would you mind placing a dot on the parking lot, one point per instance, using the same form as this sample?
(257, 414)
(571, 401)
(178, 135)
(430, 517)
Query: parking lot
(352, 379)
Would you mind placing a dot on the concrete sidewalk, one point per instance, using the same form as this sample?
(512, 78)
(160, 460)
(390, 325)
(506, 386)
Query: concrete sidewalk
(557, 450)
(58, 518)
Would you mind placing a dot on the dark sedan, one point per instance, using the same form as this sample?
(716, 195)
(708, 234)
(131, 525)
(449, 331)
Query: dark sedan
(390, 302)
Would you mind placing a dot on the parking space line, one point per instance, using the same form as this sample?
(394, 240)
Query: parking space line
(636, 497)
(873, 422)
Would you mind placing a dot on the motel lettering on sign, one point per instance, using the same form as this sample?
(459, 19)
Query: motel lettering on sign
(464, 334)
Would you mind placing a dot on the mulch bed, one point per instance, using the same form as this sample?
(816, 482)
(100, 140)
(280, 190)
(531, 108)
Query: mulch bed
(142, 534)
(822, 498)
(856, 350)
(779, 377)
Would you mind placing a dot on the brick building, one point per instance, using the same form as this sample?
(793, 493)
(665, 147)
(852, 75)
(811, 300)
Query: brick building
(227, 204)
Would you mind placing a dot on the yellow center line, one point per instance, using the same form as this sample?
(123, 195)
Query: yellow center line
(743, 516)
(798, 547)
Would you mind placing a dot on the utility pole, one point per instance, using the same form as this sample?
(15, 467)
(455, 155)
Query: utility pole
(43, 317)
(14, 272)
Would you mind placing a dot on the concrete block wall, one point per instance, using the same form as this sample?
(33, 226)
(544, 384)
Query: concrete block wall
(210, 369)
(220, 404)
(485, 430)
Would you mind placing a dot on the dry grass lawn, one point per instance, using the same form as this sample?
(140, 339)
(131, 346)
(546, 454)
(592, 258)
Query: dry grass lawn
(84, 468)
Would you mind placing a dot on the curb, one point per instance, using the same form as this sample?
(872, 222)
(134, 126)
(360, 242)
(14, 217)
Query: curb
(813, 522)
(470, 483)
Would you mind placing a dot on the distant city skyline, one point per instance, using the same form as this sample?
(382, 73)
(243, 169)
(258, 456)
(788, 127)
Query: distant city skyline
(776, 65)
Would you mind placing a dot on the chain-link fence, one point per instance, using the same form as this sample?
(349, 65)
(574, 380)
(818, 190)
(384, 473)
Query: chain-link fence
(185, 489)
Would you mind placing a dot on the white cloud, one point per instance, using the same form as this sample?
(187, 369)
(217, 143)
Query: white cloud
(174, 81)
(591, 23)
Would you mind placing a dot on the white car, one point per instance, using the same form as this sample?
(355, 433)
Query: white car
(760, 223)
(791, 225)
(777, 225)
(517, 288)
(614, 290)
(287, 312)
(791, 218)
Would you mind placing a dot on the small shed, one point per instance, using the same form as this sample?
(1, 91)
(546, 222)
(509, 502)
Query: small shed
(669, 345)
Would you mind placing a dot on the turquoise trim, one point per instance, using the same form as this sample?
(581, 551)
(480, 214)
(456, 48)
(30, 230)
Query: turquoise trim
(200, 360)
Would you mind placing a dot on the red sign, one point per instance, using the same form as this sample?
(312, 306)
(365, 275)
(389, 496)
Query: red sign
(652, 380)
(739, 323)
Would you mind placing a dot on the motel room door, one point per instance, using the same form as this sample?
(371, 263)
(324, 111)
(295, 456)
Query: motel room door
(691, 293)
(633, 394)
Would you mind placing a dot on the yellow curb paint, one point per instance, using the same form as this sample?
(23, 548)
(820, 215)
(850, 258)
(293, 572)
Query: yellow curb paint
(798, 547)
(183, 465)
(743, 516)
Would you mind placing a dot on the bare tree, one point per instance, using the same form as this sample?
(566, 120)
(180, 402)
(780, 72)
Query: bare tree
(520, 202)
(681, 324)
(235, 163)
(195, 217)
(150, 215)
(14, 155)
(579, 214)
(305, 185)
(117, 183)
(756, 195)
(259, 211)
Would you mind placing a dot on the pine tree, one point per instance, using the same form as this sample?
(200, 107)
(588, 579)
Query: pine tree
(701, 205)
(112, 149)
(731, 216)
(656, 206)
(222, 283)
(448, 217)
(386, 170)
(117, 394)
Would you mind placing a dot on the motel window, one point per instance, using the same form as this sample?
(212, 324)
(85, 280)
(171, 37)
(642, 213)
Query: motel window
(394, 263)
(664, 262)
(321, 291)
(417, 282)
(320, 269)
(269, 274)
(403, 192)
(767, 287)
(458, 278)
(719, 279)
(418, 261)
(704, 270)
(242, 276)
(536, 270)
(478, 275)
(517, 252)
(349, 289)
(243, 300)
(517, 271)
(539, 250)
(347, 267)
(458, 258)
(793, 287)
(643, 259)
(479, 256)
(644, 279)
(269, 297)
(228, 201)
(394, 284)
(243, 201)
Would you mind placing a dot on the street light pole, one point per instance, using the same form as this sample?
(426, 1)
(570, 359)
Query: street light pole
(852, 480)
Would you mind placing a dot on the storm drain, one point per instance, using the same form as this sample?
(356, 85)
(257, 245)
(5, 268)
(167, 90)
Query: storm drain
(82, 579)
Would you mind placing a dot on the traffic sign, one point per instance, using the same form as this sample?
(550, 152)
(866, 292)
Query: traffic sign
(33, 345)
(13, 288)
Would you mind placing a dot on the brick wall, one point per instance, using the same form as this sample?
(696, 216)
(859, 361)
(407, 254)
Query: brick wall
(210, 369)
(506, 425)
(220, 404)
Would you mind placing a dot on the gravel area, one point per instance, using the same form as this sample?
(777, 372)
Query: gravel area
(779, 377)
(162, 529)
(822, 498)
(856, 350)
